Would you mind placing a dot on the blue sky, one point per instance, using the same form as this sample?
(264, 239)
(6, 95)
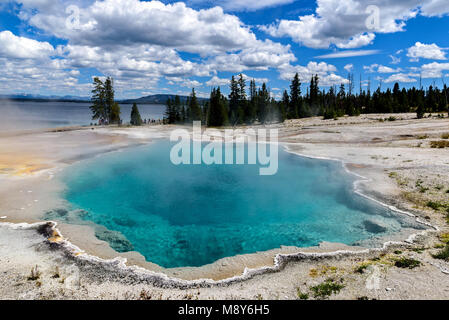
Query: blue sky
(55, 47)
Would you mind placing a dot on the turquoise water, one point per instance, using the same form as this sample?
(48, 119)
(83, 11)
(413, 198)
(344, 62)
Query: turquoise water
(192, 215)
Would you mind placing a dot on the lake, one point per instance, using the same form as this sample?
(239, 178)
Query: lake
(27, 115)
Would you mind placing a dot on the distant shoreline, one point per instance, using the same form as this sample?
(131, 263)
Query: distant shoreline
(71, 101)
(158, 99)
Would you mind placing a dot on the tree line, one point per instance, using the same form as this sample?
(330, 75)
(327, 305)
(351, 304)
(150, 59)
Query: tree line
(104, 107)
(258, 106)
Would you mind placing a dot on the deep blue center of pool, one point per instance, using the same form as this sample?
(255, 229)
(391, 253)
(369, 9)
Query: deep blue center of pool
(192, 215)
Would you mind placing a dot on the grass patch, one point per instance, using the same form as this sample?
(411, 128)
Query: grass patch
(361, 269)
(301, 295)
(423, 189)
(423, 137)
(420, 187)
(444, 238)
(434, 205)
(391, 118)
(445, 135)
(439, 144)
(407, 263)
(393, 174)
(443, 254)
(418, 250)
(326, 289)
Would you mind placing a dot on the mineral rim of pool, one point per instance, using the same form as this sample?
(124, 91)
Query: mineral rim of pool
(193, 215)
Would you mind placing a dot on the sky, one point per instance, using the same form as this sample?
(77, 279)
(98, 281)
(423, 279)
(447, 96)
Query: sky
(56, 47)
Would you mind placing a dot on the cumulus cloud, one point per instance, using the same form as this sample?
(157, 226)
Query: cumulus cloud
(130, 22)
(216, 81)
(434, 70)
(133, 40)
(400, 77)
(325, 72)
(380, 69)
(426, 51)
(353, 23)
(12, 46)
(27, 65)
(247, 5)
(267, 54)
(435, 8)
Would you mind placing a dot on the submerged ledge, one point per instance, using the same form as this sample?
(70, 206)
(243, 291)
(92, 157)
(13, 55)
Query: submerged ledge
(119, 269)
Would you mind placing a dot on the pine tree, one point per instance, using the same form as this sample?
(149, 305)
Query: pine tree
(195, 110)
(217, 114)
(251, 108)
(98, 107)
(109, 99)
(136, 119)
(103, 106)
(283, 106)
(243, 101)
(234, 101)
(115, 114)
(263, 104)
(169, 112)
(176, 109)
(295, 98)
(314, 94)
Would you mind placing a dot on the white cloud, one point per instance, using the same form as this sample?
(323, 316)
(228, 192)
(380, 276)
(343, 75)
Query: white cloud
(343, 23)
(267, 54)
(325, 72)
(27, 66)
(434, 70)
(246, 5)
(435, 8)
(349, 67)
(380, 69)
(400, 77)
(357, 41)
(187, 83)
(346, 23)
(133, 40)
(217, 82)
(426, 51)
(131, 22)
(348, 54)
(12, 46)
(395, 60)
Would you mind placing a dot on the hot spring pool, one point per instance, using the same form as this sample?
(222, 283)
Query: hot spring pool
(193, 215)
